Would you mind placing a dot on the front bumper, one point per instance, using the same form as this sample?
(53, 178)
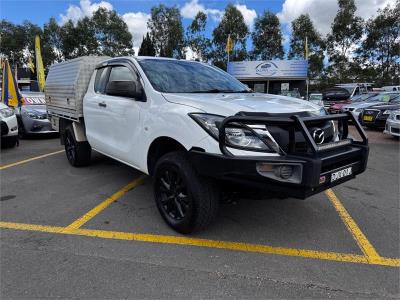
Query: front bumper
(378, 120)
(392, 128)
(315, 167)
(37, 126)
(9, 126)
(315, 177)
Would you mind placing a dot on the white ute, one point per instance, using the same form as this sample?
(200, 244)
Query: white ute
(198, 132)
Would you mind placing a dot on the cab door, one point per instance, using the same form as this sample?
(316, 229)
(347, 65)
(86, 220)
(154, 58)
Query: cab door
(117, 117)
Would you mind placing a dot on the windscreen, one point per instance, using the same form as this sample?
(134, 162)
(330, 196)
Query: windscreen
(383, 97)
(175, 76)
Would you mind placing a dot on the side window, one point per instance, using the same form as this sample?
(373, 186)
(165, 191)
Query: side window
(121, 73)
(100, 80)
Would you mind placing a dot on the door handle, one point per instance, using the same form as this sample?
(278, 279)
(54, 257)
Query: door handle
(102, 104)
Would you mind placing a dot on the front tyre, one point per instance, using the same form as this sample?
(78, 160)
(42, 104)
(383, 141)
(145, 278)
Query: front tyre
(78, 153)
(186, 201)
(9, 142)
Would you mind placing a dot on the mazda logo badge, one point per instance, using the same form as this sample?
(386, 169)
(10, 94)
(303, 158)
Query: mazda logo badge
(318, 136)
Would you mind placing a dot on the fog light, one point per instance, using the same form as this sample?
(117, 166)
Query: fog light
(284, 171)
(291, 173)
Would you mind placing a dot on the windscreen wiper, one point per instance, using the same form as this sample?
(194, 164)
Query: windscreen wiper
(221, 91)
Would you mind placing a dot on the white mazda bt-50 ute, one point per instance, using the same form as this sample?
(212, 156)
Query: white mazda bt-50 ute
(198, 132)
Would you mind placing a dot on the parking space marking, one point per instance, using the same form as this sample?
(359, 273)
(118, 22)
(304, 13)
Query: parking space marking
(366, 247)
(103, 205)
(29, 160)
(187, 241)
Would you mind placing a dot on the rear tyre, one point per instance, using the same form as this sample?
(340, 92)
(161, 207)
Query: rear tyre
(78, 153)
(186, 201)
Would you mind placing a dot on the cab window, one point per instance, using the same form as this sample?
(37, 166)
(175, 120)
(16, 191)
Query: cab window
(100, 80)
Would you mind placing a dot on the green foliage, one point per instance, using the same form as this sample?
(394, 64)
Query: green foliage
(196, 39)
(110, 33)
(52, 39)
(347, 30)
(232, 23)
(166, 31)
(267, 37)
(367, 52)
(303, 28)
(381, 49)
(147, 47)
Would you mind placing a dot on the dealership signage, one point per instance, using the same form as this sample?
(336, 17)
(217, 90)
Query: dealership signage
(268, 69)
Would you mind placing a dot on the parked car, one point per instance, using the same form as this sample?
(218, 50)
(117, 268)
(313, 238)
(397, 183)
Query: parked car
(337, 107)
(335, 95)
(355, 89)
(376, 115)
(196, 130)
(9, 126)
(316, 98)
(32, 115)
(391, 88)
(393, 123)
(357, 108)
(294, 94)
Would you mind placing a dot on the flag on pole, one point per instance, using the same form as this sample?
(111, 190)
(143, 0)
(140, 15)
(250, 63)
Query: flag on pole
(306, 49)
(229, 44)
(31, 66)
(39, 64)
(10, 94)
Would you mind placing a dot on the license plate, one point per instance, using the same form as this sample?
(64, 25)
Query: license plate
(368, 118)
(341, 174)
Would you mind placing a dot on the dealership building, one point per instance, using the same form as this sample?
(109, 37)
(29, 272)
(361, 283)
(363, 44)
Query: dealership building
(272, 76)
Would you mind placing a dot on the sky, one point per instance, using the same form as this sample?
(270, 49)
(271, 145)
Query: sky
(136, 12)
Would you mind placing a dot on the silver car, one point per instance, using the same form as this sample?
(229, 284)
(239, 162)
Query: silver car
(357, 107)
(32, 115)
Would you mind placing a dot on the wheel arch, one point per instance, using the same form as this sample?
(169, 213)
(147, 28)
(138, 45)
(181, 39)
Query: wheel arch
(159, 147)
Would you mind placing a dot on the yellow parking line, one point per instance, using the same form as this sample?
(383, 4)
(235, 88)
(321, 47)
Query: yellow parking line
(366, 247)
(29, 159)
(187, 241)
(93, 212)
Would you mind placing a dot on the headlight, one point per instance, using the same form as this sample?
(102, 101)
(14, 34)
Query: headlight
(359, 110)
(393, 114)
(387, 112)
(32, 115)
(237, 136)
(6, 112)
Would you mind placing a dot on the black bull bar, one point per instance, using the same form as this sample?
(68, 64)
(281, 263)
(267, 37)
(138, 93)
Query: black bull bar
(292, 124)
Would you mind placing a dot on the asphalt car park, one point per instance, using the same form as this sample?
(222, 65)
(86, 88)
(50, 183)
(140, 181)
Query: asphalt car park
(95, 232)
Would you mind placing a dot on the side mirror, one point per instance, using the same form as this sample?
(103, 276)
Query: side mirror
(124, 88)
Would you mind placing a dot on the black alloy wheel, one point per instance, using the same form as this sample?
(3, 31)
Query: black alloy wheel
(173, 195)
(70, 147)
(187, 201)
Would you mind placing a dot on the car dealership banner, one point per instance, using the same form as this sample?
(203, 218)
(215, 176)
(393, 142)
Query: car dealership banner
(268, 69)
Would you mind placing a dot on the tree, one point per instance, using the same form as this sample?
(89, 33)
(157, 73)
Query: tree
(112, 34)
(12, 41)
(147, 47)
(267, 37)
(347, 30)
(233, 24)
(52, 38)
(381, 48)
(303, 28)
(196, 39)
(166, 31)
